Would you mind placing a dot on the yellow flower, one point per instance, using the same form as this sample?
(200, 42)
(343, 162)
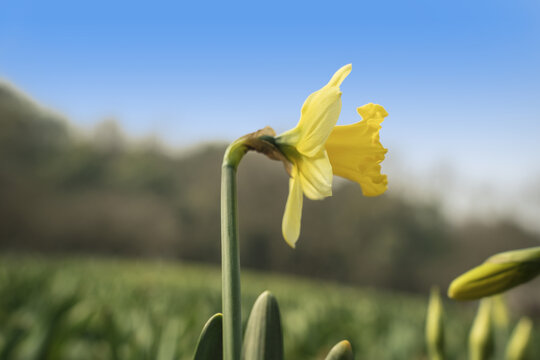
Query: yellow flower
(318, 149)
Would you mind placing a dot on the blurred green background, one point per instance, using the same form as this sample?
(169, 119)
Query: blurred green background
(74, 202)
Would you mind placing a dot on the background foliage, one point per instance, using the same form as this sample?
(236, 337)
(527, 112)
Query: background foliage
(62, 190)
(66, 308)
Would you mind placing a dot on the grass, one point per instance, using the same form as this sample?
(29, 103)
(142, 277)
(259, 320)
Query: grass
(84, 308)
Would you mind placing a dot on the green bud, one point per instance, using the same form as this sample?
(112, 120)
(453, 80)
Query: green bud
(262, 141)
(341, 351)
(517, 345)
(435, 326)
(497, 274)
(481, 335)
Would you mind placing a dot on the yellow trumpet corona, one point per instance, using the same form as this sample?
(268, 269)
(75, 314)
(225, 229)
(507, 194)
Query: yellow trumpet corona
(318, 149)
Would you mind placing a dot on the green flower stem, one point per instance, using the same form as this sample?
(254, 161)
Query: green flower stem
(230, 254)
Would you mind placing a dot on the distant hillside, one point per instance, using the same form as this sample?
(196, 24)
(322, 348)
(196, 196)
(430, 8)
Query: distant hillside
(65, 193)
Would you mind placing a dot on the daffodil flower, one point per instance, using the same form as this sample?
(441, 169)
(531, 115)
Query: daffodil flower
(318, 149)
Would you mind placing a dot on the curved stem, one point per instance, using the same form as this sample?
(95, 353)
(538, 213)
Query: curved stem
(230, 254)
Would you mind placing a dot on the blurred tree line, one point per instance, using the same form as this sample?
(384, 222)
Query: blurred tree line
(63, 191)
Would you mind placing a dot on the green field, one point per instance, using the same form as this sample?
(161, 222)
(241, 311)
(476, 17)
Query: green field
(82, 308)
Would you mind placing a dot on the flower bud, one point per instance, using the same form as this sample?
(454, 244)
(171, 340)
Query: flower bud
(497, 274)
(434, 326)
(481, 335)
(517, 345)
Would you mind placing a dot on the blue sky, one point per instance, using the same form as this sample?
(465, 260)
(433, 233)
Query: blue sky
(460, 79)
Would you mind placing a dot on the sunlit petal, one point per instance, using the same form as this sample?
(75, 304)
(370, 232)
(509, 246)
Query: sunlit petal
(318, 119)
(319, 115)
(340, 75)
(293, 212)
(315, 176)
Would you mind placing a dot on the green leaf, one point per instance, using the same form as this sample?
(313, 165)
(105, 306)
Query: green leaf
(341, 351)
(168, 341)
(210, 345)
(264, 339)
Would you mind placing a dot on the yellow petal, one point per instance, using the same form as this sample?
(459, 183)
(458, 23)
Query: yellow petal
(315, 175)
(319, 115)
(293, 212)
(355, 151)
(340, 75)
